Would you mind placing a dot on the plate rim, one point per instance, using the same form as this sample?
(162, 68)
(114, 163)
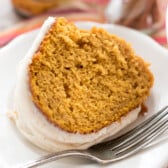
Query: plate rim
(19, 38)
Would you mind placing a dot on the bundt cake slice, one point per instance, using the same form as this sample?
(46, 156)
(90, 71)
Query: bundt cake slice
(82, 86)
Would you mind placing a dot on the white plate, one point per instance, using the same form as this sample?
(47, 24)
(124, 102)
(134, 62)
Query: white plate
(14, 149)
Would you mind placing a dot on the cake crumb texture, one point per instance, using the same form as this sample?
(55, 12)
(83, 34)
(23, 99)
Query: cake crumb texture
(84, 80)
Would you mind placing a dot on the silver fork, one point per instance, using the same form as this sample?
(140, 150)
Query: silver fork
(117, 149)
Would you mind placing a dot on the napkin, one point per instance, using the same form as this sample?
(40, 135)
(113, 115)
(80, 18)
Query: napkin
(78, 10)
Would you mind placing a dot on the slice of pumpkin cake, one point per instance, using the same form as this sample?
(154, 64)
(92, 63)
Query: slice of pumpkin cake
(77, 87)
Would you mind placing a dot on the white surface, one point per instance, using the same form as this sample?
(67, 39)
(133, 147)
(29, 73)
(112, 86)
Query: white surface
(15, 150)
(8, 16)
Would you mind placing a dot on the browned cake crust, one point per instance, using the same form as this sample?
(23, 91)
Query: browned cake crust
(84, 80)
(34, 7)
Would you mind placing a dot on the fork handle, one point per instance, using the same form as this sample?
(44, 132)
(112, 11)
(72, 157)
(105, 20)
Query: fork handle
(55, 156)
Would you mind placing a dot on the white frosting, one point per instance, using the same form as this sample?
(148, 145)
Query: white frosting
(34, 126)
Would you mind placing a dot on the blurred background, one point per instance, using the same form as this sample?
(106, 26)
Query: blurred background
(20, 16)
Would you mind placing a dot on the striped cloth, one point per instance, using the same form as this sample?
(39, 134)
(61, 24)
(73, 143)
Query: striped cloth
(84, 10)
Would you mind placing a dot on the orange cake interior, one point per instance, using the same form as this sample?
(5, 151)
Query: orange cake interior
(84, 80)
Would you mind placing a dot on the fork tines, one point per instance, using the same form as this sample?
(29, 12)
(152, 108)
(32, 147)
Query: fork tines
(138, 137)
